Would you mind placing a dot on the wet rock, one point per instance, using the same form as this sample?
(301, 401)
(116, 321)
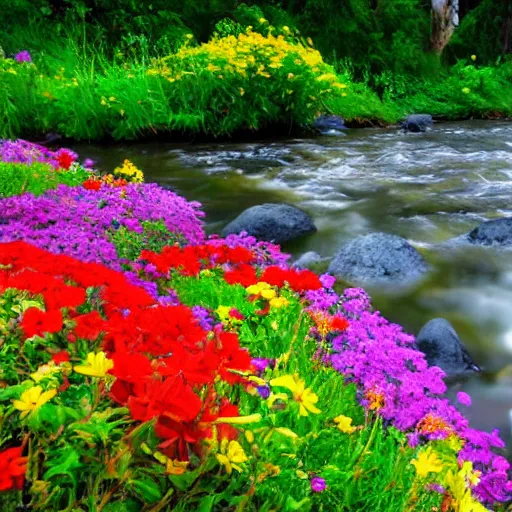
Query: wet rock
(439, 341)
(308, 259)
(377, 259)
(328, 125)
(493, 232)
(418, 123)
(272, 222)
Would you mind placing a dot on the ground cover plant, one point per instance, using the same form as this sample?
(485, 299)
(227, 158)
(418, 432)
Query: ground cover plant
(206, 374)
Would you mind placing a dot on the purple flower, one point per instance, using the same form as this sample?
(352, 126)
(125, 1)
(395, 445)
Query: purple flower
(327, 280)
(264, 391)
(23, 56)
(464, 398)
(413, 439)
(318, 484)
(260, 364)
(88, 163)
(204, 317)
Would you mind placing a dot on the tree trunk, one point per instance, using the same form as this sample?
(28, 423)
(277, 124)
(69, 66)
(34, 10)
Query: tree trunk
(445, 18)
(507, 25)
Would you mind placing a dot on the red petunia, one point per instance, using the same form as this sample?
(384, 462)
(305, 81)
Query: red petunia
(37, 322)
(89, 326)
(12, 469)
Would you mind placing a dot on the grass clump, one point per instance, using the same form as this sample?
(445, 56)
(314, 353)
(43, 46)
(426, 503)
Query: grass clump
(15, 178)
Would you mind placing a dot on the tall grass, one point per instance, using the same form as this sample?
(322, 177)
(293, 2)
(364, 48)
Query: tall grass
(75, 88)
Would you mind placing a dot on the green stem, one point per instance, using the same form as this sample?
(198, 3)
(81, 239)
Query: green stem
(366, 447)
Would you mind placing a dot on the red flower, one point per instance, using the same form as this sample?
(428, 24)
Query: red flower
(232, 357)
(65, 159)
(60, 357)
(91, 184)
(339, 323)
(12, 469)
(298, 280)
(37, 322)
(244, 275)
(89, 326)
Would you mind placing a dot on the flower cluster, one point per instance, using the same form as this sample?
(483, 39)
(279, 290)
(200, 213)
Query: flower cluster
(394, 379)
(22, 151)
(80, 222)
(129, 172)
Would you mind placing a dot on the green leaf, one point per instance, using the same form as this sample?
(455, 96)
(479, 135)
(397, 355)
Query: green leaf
(123, 506)
(291, 504)
(147, 489)
(66, 464)
(206, 504)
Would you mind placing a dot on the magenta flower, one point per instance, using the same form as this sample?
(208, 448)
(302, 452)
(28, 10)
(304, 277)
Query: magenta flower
(318, 484)
(23, 56)
(464, 398)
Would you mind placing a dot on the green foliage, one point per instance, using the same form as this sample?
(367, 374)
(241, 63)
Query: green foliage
(36, 178)
(480, 33)
(154, 237)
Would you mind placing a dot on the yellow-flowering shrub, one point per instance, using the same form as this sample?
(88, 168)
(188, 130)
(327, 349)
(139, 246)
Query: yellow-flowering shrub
(251, 79)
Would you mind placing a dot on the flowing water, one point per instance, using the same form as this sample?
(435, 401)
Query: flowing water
(428, 188)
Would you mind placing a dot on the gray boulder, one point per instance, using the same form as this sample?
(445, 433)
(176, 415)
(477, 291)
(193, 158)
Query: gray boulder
(271, 222)
(418, 123)
(493, 232)
(442, 347)
(378, 259)
(329, 124)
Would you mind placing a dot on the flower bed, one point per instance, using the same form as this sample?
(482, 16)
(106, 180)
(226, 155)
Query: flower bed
(209, 375)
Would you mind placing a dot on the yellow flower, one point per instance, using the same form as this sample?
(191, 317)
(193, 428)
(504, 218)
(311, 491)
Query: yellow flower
(304, 396)
(223, 313)
(256, 289)
(231, 455)
(172, 466)
(344, 424)
(97, 365)
(32, 399)
(286, 29)
(278, 302)
(466, 90)
(268, 294)
(473, 58)
(467, 472)
(427, 462)
(242, 91)
(112, 98)
(464, 501)
(262, 20)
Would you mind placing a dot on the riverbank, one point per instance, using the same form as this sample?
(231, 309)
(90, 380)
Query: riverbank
(162, 368)
(231, 86)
